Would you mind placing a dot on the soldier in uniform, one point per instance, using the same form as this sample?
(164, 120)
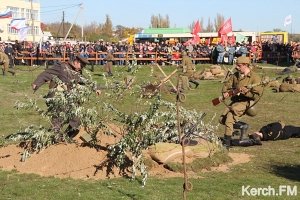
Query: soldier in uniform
(67, 72)
(4, 60)
(271, 132)
(188, 69)
(109, 63)
(241, 103)
(10, 52)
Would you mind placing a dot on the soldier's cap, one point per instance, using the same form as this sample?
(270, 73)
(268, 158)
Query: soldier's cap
(243, 60)
(82, 60)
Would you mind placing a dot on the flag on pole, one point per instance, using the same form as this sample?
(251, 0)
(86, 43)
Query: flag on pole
(6, 14)
(225, 28)
(287, 20)
(23, 33)
(18, 23)
(196, 28)
(231, 39)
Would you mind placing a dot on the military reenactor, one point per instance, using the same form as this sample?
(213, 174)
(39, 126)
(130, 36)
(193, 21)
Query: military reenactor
(188, 68)
(67, 72)
(109, 63)
(4, 60)
(242, 96)
(10, 52)
(271, 132)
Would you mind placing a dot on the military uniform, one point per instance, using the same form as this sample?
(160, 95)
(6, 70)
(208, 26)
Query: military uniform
(109, 63)
(279, 131)
(240, 103)
(271, 132)
(66, 73)
(188, 69)
(4, 60)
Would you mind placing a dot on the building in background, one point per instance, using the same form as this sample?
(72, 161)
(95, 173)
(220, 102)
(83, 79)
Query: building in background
(275, 37)
(184, 34)
(28, 9)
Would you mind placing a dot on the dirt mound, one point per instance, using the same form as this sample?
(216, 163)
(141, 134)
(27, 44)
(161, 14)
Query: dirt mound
(78, 162)
(70, 160)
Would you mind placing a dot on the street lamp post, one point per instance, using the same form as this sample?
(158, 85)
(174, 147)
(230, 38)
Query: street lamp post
(32, 22)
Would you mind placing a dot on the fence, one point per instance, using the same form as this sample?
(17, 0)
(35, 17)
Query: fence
(95, 56)
(29, 58)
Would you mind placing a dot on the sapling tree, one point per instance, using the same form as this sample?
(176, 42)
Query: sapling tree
(66, 104)
(156, 124)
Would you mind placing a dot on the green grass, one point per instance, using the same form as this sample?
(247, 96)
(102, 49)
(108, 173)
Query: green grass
(272, 164)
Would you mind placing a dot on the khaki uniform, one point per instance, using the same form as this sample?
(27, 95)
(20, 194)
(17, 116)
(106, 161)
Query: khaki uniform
(188, 70)
(239, 103)
(109, 63)
(4, 60)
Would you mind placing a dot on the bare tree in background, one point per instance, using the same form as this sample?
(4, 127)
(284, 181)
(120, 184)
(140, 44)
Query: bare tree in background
(107, 27)
(209, 27)
(219, 21)
(160, 22)
(193, 24)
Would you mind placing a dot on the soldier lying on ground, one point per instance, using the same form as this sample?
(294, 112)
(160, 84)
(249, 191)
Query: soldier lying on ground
(270, 132)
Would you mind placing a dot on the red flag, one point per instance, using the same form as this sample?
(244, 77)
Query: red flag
(225, 28)
(196, 28)
(208, 41)
(196, 39)
(190, 41)
(231, 39)
(224, 39)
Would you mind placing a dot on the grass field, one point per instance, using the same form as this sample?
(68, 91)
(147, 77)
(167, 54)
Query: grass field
(274, 164)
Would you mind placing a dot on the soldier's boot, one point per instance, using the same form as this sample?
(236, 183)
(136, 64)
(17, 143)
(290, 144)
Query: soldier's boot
(12, 72)
(3, 72)
(194, 82)
(227, 141)
(243, 129)
(71, 132)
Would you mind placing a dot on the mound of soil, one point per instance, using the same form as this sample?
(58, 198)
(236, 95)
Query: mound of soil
(79, 162)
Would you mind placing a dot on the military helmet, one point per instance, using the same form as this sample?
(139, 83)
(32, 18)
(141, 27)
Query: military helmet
(251, 111)
(184, 53)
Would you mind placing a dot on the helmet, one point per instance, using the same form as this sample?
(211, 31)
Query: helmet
(251, 111)
(184, 53)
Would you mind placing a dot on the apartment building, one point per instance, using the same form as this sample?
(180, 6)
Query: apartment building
(28, 9)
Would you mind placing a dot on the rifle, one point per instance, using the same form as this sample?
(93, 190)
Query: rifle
(236, 91)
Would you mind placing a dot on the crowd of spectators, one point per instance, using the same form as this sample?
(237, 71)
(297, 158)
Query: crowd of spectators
(147, 52)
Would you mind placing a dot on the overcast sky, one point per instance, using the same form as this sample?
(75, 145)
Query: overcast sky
(254, 15)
